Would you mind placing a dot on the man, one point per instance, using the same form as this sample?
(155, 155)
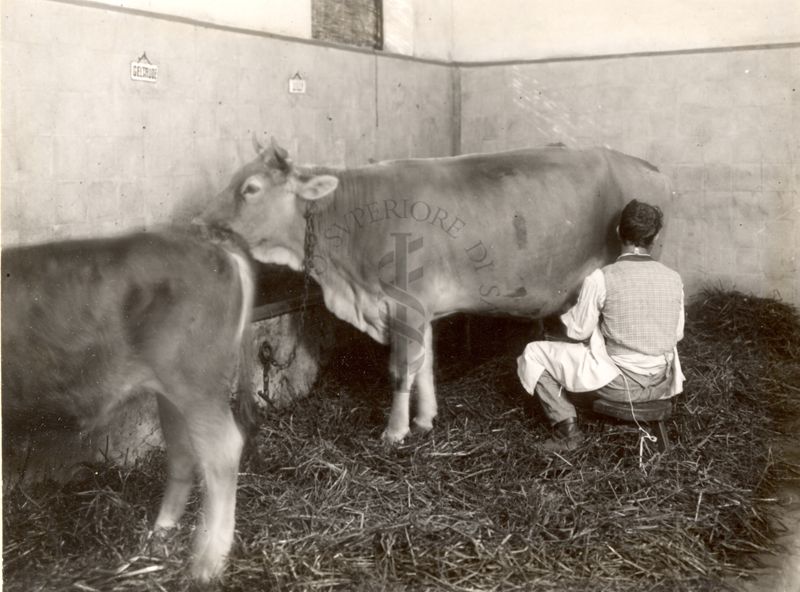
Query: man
(625, 326)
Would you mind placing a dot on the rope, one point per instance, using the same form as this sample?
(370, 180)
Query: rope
(643, 433)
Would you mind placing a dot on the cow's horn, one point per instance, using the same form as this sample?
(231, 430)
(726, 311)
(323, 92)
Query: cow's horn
(281, 156)
(257, 145)
(280, 153)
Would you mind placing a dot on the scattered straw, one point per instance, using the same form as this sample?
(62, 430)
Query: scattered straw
(475, 505)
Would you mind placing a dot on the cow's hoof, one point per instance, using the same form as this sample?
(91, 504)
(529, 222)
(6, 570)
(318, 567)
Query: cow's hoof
(394, 437)
(421, 427)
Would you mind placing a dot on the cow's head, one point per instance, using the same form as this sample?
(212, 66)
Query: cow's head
(265, 204)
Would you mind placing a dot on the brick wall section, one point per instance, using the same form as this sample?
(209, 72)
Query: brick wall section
(86, 151)
(725, 126)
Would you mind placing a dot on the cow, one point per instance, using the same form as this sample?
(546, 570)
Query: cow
(397, 244)
(87, 324)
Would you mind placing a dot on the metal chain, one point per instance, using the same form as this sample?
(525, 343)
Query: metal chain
(265, 352)
(309, 245)
(310, 241)
(267, 357)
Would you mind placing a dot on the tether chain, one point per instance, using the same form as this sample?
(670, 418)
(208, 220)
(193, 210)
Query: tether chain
(309, 244)
(267, 357)
(265, 352)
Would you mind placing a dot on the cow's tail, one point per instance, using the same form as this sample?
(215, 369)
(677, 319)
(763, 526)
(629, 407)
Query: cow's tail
(637, 178)
(640, 179)
(245, 408)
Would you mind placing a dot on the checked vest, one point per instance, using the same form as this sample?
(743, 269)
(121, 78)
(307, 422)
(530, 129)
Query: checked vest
(642, 308)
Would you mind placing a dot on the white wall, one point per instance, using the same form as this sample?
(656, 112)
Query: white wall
(528, 29)
(724, 126)
(477, 30)
(420, 28)
(116, 154)
(433, 29)
(281, 17)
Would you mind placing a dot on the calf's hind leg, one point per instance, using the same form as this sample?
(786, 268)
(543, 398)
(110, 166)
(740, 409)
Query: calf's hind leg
(180, 464)
(198, 423)
(218, 443)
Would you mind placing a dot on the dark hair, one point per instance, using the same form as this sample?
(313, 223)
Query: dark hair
(639, 223)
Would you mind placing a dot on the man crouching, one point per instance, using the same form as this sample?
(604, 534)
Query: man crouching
(625, 326)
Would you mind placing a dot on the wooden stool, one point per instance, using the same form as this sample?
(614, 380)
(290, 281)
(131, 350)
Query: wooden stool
(656, 412)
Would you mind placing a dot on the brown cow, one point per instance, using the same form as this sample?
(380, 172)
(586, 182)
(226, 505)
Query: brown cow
(88, 324)
(398, 244)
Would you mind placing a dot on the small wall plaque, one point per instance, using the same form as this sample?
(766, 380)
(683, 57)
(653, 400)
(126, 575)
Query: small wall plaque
(297, 85)
(144, 70)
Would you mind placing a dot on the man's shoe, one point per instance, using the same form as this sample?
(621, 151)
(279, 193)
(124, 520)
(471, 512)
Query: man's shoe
(566, 436)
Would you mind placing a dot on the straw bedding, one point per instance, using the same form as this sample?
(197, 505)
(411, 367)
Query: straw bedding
(475, 505)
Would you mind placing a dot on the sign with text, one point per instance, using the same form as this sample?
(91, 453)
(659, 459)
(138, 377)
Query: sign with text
(143, 70)
(297, 86)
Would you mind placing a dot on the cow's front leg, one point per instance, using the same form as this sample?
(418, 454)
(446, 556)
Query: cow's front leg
(397, 428)
(425, 390)
(406, 360)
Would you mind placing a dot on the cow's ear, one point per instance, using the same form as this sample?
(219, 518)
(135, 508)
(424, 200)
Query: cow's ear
(317, 187)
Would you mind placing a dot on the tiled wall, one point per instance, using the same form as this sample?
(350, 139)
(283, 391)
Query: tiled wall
(725, 126)
(88, 151)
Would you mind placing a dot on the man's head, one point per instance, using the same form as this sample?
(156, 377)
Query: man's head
(639, 224)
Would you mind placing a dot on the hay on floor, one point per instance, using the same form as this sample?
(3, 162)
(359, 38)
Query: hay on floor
(475, 505)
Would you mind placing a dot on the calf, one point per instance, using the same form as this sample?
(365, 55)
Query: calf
(88, 324)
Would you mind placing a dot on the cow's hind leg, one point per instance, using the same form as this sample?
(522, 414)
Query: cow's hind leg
(180, 464)
(426, 408)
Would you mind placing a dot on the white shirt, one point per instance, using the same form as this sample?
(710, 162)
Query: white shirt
(583, 318)
(582, 368)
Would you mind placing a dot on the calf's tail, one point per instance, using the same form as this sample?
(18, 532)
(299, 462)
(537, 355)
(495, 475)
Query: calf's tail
(245, 407)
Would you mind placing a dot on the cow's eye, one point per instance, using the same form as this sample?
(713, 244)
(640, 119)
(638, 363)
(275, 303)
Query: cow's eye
(250, 188)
